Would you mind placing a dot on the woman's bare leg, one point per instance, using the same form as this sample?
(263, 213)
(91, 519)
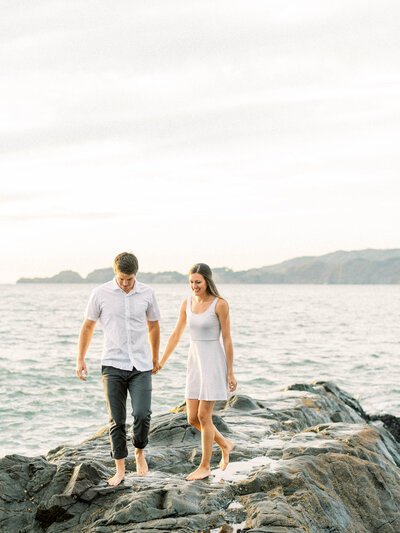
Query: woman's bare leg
(207, 429)
(225, 444)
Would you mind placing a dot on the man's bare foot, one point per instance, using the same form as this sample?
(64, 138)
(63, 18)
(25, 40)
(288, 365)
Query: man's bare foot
(226, 450)
(116, 480)
(200, 473)
(141, 464)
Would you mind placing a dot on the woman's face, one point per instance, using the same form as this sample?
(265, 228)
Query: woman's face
(198, 284)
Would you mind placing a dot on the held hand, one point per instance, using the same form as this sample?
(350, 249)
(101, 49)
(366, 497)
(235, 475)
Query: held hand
(156, 367)
(81, 367)
(232, 383)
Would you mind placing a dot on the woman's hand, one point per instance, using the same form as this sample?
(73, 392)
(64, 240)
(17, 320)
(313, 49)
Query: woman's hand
(232, 382)
(156, 367)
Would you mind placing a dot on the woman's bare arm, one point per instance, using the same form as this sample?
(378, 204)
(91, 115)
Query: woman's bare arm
(222, 312)
(175, 335)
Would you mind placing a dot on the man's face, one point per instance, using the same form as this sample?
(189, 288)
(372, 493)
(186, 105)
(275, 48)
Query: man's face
(125, 281)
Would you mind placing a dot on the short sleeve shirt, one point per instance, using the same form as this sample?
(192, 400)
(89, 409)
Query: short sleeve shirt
(123, 319)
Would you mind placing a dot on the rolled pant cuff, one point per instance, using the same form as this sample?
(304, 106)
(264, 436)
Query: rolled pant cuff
(140, 445)
(118, 455)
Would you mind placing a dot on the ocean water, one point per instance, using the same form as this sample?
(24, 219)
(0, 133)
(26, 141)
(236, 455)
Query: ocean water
(282, 334)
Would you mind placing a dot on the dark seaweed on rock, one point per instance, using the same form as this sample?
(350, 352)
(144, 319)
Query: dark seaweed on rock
(390, 422)
(307, 459)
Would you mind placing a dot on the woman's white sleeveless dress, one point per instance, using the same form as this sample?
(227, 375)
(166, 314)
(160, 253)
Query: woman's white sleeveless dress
(207, 372)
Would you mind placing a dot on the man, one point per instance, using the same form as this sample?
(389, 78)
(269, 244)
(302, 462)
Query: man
(129, 316)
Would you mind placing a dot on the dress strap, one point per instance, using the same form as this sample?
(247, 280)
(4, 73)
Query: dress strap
(214, 303)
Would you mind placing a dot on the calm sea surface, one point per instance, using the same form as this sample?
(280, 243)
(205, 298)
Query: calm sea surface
(281, 333)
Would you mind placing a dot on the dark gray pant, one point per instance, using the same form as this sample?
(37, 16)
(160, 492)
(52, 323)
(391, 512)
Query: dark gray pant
(117, 383)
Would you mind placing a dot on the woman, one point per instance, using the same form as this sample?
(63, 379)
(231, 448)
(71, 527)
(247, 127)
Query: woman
(210, 368)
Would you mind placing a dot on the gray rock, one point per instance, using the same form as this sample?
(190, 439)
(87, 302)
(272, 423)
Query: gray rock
(307, 459)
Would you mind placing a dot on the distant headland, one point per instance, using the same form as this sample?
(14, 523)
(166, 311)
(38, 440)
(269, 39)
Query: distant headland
(354, 267)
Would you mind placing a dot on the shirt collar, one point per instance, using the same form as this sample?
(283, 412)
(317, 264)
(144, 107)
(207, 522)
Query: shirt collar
(116, 287)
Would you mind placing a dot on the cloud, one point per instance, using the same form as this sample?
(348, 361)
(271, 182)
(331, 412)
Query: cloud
(16, 197)
(50, 216)
(75, 73)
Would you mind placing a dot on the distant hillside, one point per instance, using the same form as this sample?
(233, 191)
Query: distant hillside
(355, 267)
(106, 274)
(66, 276)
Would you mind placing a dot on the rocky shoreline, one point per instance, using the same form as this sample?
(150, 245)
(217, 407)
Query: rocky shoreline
(306, 459)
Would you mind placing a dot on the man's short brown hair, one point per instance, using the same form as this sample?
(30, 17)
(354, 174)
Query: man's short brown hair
(126, 263)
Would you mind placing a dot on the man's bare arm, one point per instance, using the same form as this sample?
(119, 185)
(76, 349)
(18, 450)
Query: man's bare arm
(85, 337)
(154, 338)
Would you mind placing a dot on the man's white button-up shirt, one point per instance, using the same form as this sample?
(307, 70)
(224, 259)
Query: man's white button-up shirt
(123, 319)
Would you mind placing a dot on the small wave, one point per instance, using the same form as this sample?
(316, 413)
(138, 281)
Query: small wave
(262, 381)
(359, 367)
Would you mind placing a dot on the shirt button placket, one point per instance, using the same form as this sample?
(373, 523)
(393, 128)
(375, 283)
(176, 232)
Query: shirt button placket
(128, 313)
(127, 321)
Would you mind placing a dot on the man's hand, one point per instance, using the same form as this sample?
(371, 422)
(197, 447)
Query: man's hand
(85, 337)
(156, 367)
(81, 367)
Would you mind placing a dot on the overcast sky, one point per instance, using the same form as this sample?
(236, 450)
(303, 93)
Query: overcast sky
(235, 133)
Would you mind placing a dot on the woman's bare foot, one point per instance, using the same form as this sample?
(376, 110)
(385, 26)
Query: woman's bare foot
(226, 450)
(141, 463)
(116, 480)
(201, 473)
